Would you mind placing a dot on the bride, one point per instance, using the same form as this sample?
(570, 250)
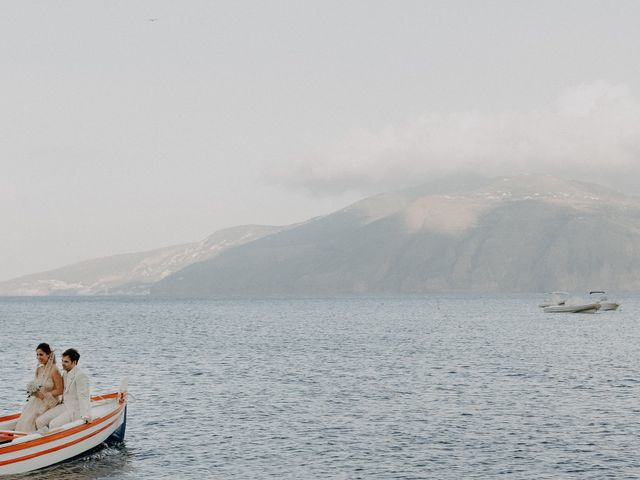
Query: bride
(49, 385)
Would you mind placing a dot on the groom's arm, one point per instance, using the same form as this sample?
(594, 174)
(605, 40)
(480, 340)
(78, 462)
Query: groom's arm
(84, 397)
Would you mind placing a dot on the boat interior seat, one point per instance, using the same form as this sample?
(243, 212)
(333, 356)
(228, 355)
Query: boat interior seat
(10, 425)
(101, 409)
(26, 438)
(98, 409)
(75, 423)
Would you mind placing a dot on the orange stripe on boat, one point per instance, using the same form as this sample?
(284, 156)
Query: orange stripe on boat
(9, 417)
(55, 449)
(94, 398)
(57, 436)
(104, 397)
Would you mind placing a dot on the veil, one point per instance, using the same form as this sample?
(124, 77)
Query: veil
(46, 371)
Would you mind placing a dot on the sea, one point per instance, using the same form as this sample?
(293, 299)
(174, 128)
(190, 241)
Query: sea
(446, 386)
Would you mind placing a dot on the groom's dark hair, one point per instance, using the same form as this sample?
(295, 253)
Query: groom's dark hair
(73, 354)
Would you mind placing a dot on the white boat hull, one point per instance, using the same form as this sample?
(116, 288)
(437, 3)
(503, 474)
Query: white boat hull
(35, 451)
(586, 308)
(554, 298)
(609, 306)
(604, 302)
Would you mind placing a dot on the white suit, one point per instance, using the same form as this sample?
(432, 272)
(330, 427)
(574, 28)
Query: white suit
(76, 401)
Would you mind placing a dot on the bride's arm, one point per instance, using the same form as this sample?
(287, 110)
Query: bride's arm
(38, 393)
(50, 399)
(58, 384)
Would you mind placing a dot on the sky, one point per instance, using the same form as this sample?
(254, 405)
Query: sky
(132, 125)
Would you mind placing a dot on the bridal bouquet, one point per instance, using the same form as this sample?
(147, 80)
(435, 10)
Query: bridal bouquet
(32, 387)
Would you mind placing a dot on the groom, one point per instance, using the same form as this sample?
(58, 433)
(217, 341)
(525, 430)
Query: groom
(76, 398)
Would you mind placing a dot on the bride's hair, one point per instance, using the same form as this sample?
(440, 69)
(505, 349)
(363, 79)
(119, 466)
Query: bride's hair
(45, 348)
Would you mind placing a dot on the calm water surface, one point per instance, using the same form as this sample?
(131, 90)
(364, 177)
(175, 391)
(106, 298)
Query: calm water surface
(443, 387)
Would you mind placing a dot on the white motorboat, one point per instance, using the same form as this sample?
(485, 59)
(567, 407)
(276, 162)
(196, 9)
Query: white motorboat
(582, 308)
(23, 452)
(573, 305)
(605, 303)
(554, 298)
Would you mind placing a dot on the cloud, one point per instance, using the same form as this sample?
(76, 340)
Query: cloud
(591, 133)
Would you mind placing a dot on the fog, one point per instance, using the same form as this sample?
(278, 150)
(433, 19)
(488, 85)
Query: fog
(590, 133)
(128, 126)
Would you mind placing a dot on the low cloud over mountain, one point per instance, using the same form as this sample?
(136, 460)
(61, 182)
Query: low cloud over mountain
(591, 132)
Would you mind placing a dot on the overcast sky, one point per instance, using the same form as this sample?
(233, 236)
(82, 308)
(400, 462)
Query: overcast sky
(132, 125)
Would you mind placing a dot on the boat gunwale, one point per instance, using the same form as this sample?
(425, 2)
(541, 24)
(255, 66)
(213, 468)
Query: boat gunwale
(57, 447)
(58, 435)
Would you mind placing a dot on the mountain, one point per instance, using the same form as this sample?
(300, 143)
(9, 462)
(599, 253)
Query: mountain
(473, 234)
(466, 234)
(134, 273)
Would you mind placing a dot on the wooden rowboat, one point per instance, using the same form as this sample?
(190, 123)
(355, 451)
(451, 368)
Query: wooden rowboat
(23, 452)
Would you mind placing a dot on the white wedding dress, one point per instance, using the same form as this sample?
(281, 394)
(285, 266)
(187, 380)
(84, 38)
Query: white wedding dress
(35, 406)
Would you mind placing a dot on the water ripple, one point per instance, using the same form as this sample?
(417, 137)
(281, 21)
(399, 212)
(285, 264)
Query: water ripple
(372, 388)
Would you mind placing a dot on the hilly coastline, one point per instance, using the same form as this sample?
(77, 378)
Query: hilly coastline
(462, 234)
(130, 274)
(519, 234)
